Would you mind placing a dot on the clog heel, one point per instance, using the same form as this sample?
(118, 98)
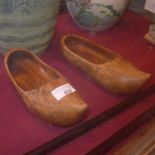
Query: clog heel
(105, 66)
(45, 91)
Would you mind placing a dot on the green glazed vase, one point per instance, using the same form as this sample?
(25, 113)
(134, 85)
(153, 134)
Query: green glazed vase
(27, 24)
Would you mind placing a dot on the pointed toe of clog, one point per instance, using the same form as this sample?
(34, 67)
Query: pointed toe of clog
(62, 112)
(121, 77)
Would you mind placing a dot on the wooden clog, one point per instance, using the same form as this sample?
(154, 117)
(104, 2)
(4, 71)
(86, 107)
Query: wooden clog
(45, 91)
(105, 66)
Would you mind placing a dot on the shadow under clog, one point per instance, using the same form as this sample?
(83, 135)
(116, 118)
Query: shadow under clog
(105, 66)
(45, 91)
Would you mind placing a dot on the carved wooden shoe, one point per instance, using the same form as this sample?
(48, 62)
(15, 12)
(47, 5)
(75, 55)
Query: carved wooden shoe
(105, 66)
(45, 91)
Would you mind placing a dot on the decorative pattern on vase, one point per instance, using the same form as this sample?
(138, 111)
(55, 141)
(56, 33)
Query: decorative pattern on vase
(96, 14)
(27, 24)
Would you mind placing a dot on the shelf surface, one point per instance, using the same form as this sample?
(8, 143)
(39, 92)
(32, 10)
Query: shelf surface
(21, 131)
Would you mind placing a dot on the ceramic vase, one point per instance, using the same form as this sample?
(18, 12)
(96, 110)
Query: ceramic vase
(96, 15)
(27, 24)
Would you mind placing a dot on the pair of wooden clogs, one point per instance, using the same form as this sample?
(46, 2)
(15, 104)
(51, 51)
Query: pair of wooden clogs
(49, 95)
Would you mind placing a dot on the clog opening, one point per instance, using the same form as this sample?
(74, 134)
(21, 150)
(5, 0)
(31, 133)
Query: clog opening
(28, 72)
(89, 51)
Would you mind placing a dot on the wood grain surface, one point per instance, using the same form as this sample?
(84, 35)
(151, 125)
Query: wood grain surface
(141, 143)
(35, 81)
(104, 65)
